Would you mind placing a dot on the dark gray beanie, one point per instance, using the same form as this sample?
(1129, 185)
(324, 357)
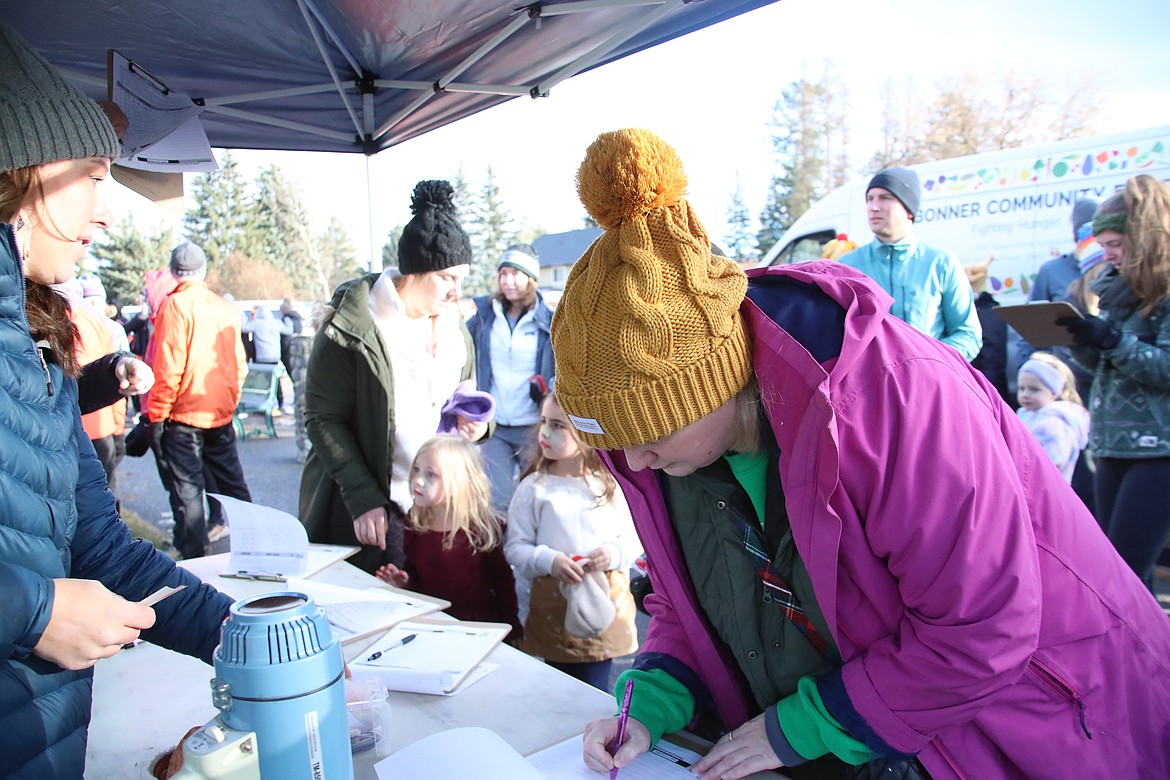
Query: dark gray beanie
(1083, 211)
(903, 184)
(43, 118)
(187, 259)
(433, 239)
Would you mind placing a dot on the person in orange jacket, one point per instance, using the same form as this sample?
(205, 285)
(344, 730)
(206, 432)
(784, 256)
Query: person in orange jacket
(199, 368)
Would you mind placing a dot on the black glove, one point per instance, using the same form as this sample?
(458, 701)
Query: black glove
(1091, 332)
(537, 388)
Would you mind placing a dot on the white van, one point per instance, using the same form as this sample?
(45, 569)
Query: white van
(1014, 204)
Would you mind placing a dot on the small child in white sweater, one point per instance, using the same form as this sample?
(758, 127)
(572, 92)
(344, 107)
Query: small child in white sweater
(567, 521)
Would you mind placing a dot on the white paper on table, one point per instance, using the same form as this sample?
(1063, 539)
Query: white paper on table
(357, 612)
(264, 540)
(483, 754)
(464, 752)
(666, 761)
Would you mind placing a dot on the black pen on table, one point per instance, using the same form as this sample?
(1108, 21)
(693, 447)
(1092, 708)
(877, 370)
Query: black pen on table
(403, 641)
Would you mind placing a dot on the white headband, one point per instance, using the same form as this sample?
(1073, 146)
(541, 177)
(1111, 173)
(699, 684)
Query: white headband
(1048, 374)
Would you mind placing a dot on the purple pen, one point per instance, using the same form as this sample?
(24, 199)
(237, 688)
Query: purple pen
(625, 715)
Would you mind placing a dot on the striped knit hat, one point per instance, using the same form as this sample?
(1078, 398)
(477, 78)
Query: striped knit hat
(43, 118)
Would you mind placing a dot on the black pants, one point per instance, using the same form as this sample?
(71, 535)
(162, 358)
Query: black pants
(184, 454)
(1133, 511)
(110, 451)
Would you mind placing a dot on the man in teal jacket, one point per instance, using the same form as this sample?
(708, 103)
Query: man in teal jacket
(928, 285)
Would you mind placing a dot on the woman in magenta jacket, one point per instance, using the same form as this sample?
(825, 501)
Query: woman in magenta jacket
(964, 612)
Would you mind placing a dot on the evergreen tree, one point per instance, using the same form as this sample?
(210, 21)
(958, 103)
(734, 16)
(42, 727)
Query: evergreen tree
(492, 234)
(740, 242)
(809, 143)
(773, 218)
(124, 254)
(337, 258)
(390, 248)
(282, 229)
(222, 218)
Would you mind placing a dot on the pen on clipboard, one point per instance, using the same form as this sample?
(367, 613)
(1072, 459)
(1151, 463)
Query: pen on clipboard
(258, 576)
(622, 718)
(403, 641)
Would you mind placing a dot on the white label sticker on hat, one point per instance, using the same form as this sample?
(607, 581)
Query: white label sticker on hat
(586, 424)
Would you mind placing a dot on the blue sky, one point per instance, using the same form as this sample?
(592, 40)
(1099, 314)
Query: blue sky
(711, 94)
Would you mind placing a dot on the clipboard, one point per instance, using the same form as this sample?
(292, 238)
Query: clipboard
(440, 658)
(356, 613)
(1036, 322)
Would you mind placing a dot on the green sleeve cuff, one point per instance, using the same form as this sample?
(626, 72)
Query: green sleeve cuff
(812, 731)
(660, 703)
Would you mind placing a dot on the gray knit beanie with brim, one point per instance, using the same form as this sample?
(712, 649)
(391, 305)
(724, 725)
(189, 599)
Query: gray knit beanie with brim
(43, 118)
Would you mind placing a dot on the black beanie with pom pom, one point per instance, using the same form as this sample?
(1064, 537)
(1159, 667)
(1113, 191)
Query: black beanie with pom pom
(433, 239)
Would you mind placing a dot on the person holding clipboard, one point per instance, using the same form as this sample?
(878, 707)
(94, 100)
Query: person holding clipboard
(1128, 350)
(862, 561)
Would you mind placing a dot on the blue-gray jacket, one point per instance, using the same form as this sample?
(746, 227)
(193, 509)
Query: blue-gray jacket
(929, 288)
(57, 520)
(480, 326)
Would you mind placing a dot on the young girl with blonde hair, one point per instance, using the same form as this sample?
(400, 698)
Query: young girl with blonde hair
(1052, 410)
(567, 521)
(453, 541)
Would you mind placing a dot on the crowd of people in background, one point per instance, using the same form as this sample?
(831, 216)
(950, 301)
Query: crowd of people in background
(856, 489)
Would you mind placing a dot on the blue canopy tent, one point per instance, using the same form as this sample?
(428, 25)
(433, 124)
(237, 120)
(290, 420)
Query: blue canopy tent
(350, 75)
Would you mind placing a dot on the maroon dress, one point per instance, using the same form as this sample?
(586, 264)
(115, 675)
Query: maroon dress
(479, 585)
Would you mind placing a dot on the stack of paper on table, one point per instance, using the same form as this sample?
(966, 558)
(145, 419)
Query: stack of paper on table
(358, 612)
(268, 544)
(442, 658)
(480, 753)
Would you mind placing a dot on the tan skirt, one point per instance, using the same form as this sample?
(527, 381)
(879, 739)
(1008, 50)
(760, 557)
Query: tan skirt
(544, 631)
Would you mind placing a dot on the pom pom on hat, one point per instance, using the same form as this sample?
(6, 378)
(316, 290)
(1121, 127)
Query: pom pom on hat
(647, 336)
(433, 239)
(628, 173)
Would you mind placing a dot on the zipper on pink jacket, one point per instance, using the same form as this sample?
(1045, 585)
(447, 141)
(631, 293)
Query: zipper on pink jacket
(1058, 684)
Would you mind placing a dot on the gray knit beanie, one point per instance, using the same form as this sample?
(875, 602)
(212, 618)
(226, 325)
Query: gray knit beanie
(903, 184)
(43, 118)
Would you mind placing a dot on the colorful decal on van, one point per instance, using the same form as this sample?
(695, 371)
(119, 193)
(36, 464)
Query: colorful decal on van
(1048, 169)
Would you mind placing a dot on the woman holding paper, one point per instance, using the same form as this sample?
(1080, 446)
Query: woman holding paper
(1128, 349)
(392, 349)
(71, 577)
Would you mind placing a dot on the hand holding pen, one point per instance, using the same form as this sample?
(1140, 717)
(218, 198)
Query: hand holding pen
(403, 641)
(623, 718)
(603, 745)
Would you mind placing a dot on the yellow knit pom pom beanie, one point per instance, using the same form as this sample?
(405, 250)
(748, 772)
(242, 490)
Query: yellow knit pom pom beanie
(647, 336)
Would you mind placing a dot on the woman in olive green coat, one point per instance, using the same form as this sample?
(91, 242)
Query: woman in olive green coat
(391, 350)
